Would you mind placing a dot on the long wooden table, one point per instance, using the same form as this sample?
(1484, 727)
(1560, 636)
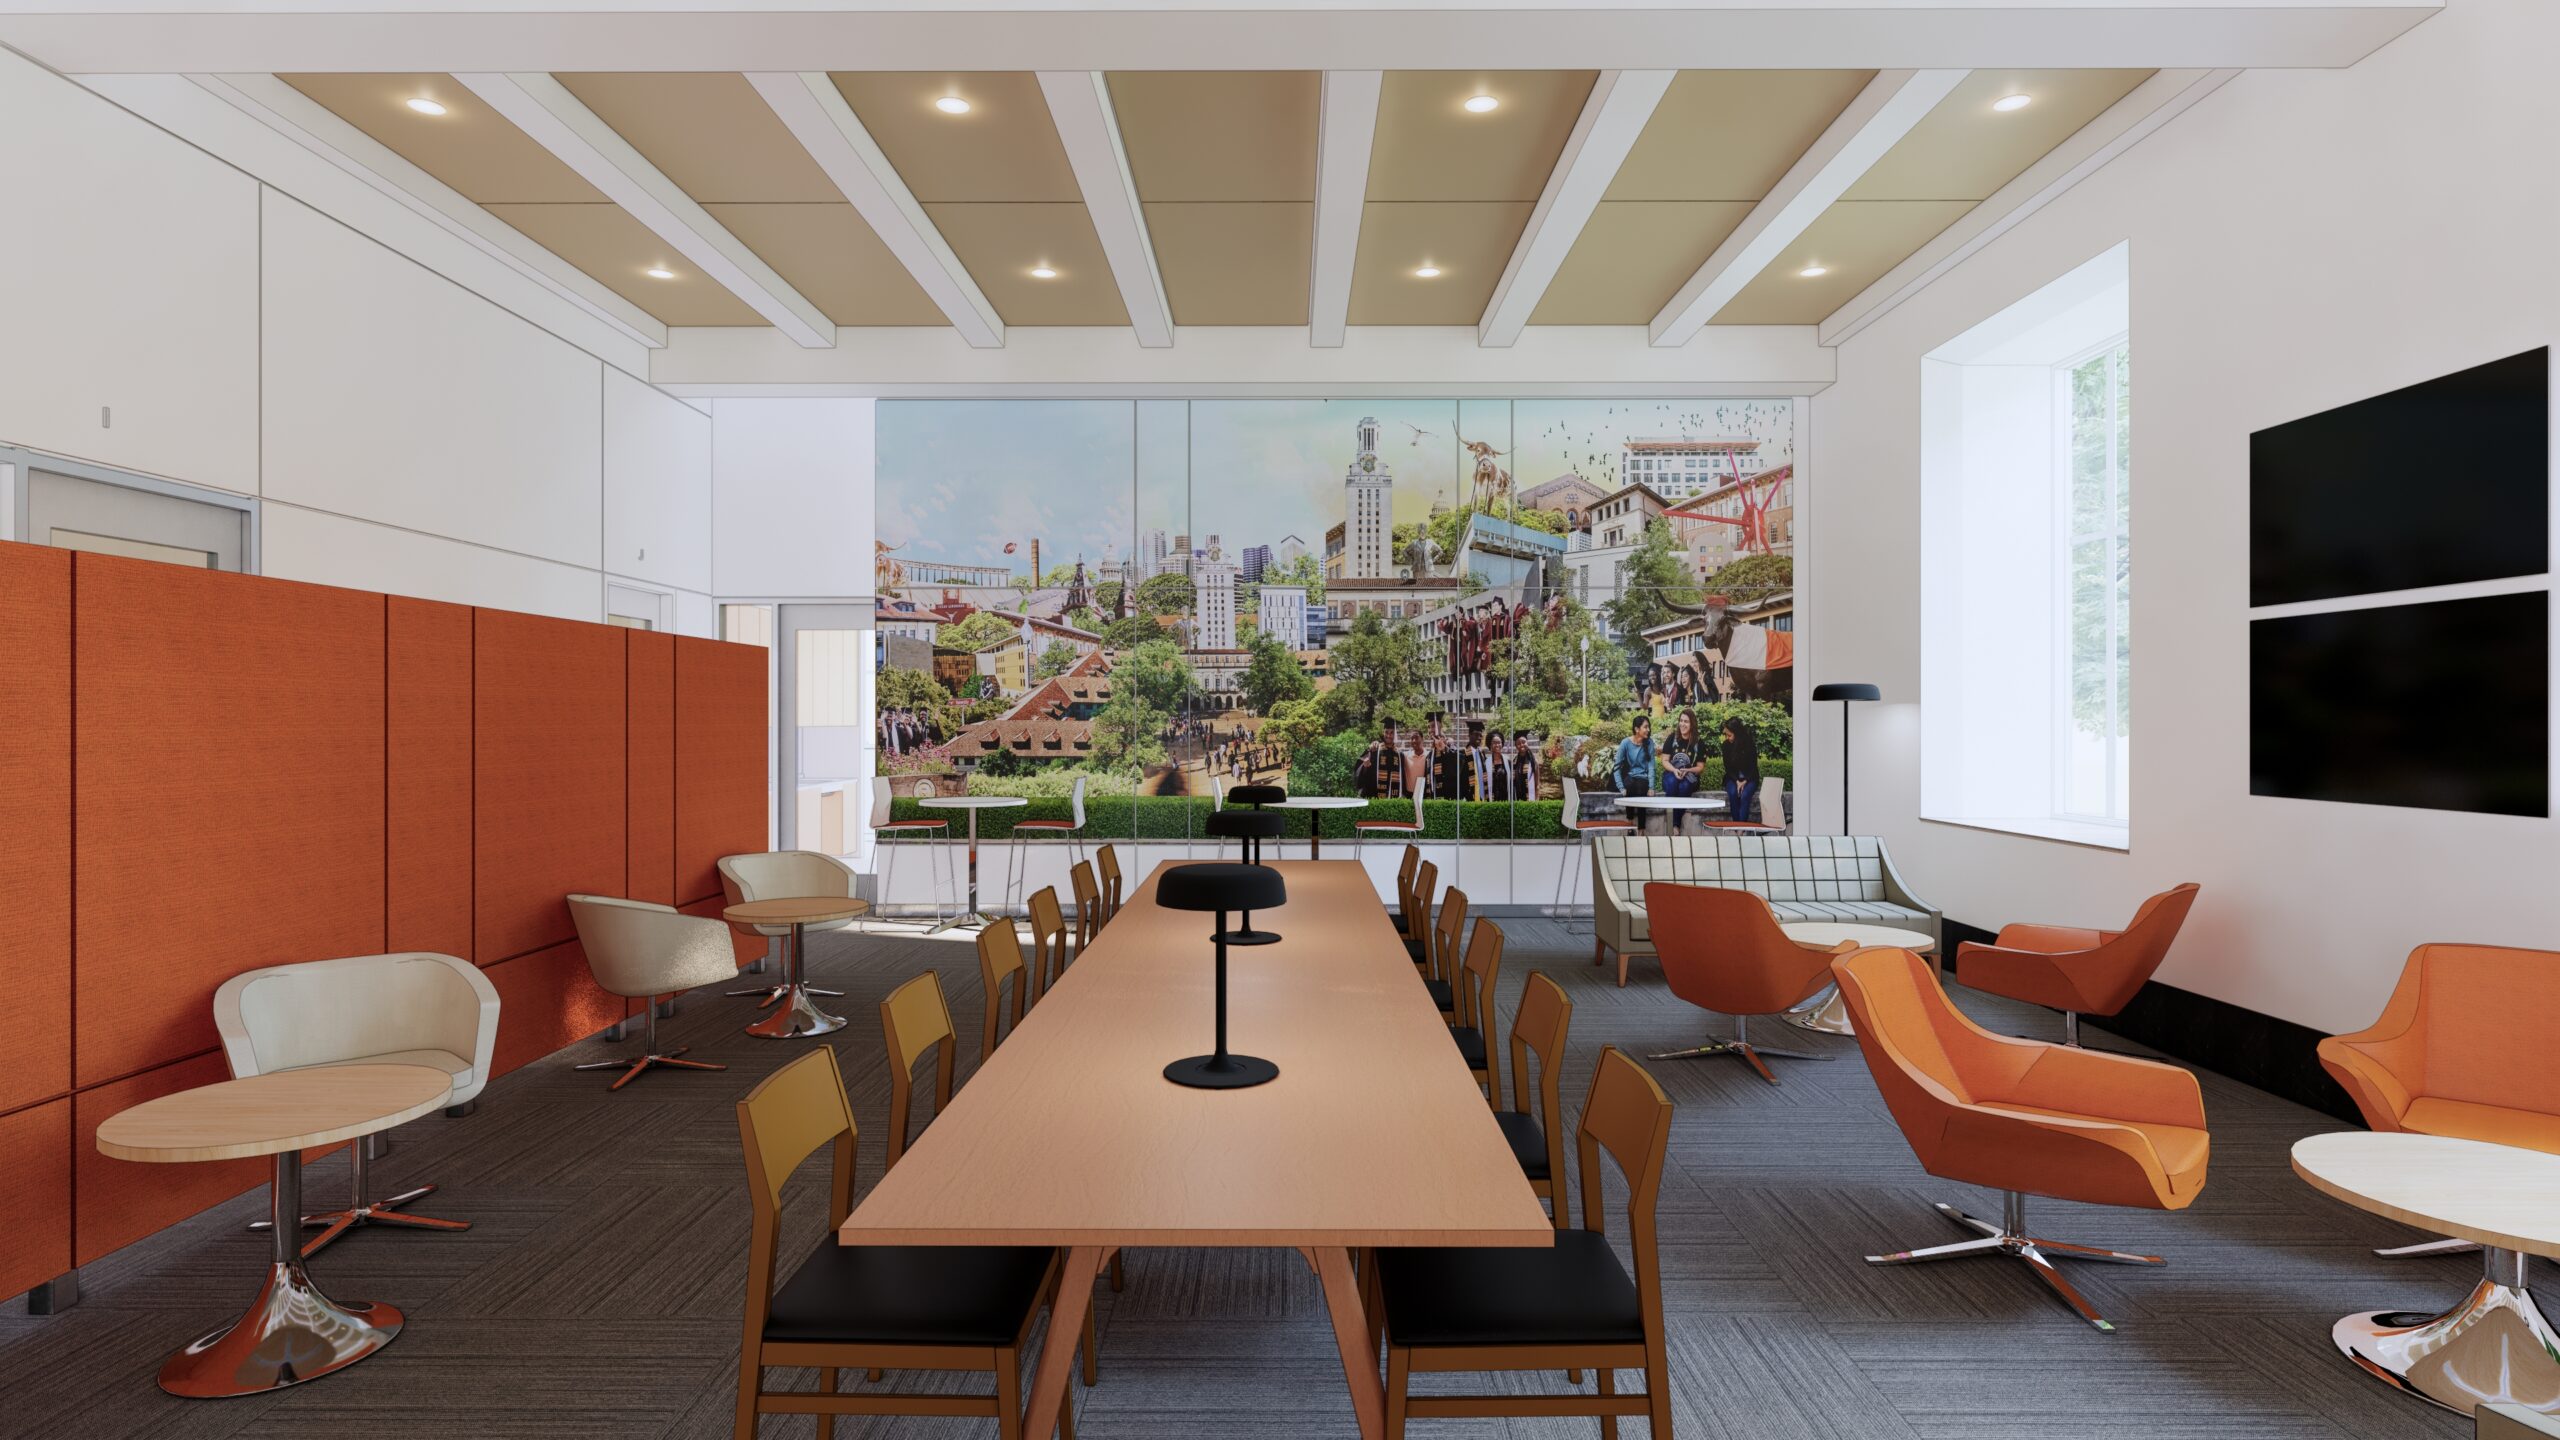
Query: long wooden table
(1373, 1134)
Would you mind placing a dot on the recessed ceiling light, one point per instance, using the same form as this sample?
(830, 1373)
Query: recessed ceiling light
(1479, 104)
(1816, 268)
(659, 272)
(425, 106)
(1043, 272)
(2012, 102)
(952, 105)
(1428, 272)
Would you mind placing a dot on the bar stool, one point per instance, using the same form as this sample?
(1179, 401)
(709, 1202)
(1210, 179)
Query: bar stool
(1018, 865)
(929, 829)
(1581, 830)
(1361, 830)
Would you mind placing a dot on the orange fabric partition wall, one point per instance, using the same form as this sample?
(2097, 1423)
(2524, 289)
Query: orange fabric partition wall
(210, 772)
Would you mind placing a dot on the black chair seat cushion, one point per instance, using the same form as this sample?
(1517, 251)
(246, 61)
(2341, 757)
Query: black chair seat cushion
(909, 1294)
(1528, 1142)
(1470, 1044)
(1441, 994)
(1420, 950)
(1574, 1294)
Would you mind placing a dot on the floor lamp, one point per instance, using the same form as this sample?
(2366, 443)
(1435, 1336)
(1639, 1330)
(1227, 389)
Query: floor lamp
(1845, 694)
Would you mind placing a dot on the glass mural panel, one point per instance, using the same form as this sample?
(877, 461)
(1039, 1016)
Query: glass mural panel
(1461, 601)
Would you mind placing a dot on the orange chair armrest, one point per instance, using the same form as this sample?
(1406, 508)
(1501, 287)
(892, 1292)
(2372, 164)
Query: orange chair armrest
(2029, 975)
(2089, 1160)
(2050, 939)
(2368, 1080)
(2109, 1088)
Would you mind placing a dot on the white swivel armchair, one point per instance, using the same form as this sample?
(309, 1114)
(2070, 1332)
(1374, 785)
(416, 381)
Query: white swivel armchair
(786, 875)
(410, 1008)
(641, 951)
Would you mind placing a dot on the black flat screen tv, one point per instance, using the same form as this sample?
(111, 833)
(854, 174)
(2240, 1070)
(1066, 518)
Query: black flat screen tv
(2443, 705)
(2445, 481)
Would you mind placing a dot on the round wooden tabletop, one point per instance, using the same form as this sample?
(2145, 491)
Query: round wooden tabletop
(1319, 802)
(271, 1114)
(971, 802)
(1832, 932)
(808, 910)
(2495, 1195)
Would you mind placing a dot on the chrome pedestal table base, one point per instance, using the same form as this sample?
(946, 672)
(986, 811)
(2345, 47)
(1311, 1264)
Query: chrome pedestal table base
(2493, 1348)
(292, 1332)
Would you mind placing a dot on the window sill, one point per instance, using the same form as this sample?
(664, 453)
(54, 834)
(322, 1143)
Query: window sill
(2069, 832)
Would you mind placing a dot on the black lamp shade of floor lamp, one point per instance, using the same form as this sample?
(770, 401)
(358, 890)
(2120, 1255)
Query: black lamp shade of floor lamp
(1250, 828)
(1219, 888)
(1845, 694)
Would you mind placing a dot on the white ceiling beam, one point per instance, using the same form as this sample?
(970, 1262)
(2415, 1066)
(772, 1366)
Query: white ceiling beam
(815, 112)
(2150, 105)
(1344, 131)
(1620, 103)
(1883, 113)
(1080, 104)
(318, 129)
(559, 122)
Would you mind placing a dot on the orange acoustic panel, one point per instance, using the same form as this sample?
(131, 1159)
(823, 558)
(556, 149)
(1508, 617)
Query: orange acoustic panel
(722, 773)
(428, 796)
(650, 706)
(548, 774)
(120, 1201)
(35, 1195)
(549, 1000)
(228, 751)
(35, 825)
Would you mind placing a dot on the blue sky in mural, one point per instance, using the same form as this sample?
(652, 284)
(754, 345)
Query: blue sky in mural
(1583, 437)
(1265, 469)
(961, 479)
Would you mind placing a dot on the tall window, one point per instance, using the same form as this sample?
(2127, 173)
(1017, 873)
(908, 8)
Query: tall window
(2095, 703)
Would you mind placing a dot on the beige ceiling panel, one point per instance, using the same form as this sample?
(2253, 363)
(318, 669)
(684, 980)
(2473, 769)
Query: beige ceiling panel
(1965, 150)
(1429, 146)
(1000, 245)
(829, 254)
(1855, 241)
(1469, 242)
(1004, 149)
(619, 251)
(711, 134)
(1632, 257)
(470, 147)
(1730, 134)
(1234, 264)
(1209, 135)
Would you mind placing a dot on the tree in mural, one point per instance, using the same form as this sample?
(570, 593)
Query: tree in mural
(1058, 659)
(1168, 594)
(1272, 675)
(1561, 678)
(1377, 677)
(982, 630)
(1653, 589)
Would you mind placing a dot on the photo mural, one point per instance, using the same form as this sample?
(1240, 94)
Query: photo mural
(1465, 602)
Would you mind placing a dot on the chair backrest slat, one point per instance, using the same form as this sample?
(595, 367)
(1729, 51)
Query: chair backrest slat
(1445, 935)
(1544, 1019)
(781, 1123)
(1088, 903)
(1048, 941)
(1627, 1115)
(1417, 904)
(1000, 960)
(1106, 861)
(915, 1020)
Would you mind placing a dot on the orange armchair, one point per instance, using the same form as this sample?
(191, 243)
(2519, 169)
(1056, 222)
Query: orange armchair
(2078, 972)
(2021, 1117)
(1723, 950)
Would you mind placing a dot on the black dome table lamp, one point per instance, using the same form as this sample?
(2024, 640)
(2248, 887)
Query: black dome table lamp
(1250, 828)
(1256, 796)
(1219, 888)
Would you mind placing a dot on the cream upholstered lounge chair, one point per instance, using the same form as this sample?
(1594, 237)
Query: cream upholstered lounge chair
(412, 1007)
(786, 875)
(640, 951)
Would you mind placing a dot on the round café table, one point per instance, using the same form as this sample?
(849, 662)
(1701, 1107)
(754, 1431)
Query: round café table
(973, 917)
(291, 1332)
(1315, 822)
(1674, 804)
(1827, 1013)
(797, 1013)
(2494, 1347)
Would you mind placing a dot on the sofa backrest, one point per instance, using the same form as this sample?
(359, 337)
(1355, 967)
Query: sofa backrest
(1775, 867)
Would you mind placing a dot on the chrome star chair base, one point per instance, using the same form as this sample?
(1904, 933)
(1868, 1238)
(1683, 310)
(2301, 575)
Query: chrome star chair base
(387, 1211)
(649, 1055)
(1741, 1047)
(2493, 1348)
(2010, 1238)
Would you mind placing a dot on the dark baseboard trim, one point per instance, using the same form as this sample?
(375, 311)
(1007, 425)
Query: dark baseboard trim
(2257, 1050)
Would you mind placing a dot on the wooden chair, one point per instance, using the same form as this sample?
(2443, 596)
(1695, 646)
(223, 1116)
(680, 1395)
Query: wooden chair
(1566, 1308)
(1537, 1140)
(1106, 864)
(1404, 885)
(915, 1020)
(1088, 905)
(1476, 1013)
(872, 1307)
(1416, 912)
(1000, 960)
(1446, 934)
(1048, 942)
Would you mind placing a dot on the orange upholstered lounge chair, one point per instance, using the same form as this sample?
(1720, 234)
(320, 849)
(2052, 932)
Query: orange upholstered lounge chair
(2078, 972)
(1722, 950)
(2463, 1049)
(2021, 1117)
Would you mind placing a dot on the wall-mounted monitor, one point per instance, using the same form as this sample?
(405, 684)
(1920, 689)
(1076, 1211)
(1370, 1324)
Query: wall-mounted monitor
(2438, 706)
(2441, 482)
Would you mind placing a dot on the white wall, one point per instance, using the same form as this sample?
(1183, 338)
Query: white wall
(2299, 240)
(402, 433)
(792, 500)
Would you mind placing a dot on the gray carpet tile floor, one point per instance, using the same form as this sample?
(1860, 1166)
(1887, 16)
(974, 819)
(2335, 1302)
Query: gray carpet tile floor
(599, 1292)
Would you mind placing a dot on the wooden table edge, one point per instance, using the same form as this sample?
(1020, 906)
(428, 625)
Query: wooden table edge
(2433, 1225)
(852, 909)
(309, 1140)
(1067, 1237)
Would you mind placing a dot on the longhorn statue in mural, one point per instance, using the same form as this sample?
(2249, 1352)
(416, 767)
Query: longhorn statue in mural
(889, 574)
(1492, 482)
